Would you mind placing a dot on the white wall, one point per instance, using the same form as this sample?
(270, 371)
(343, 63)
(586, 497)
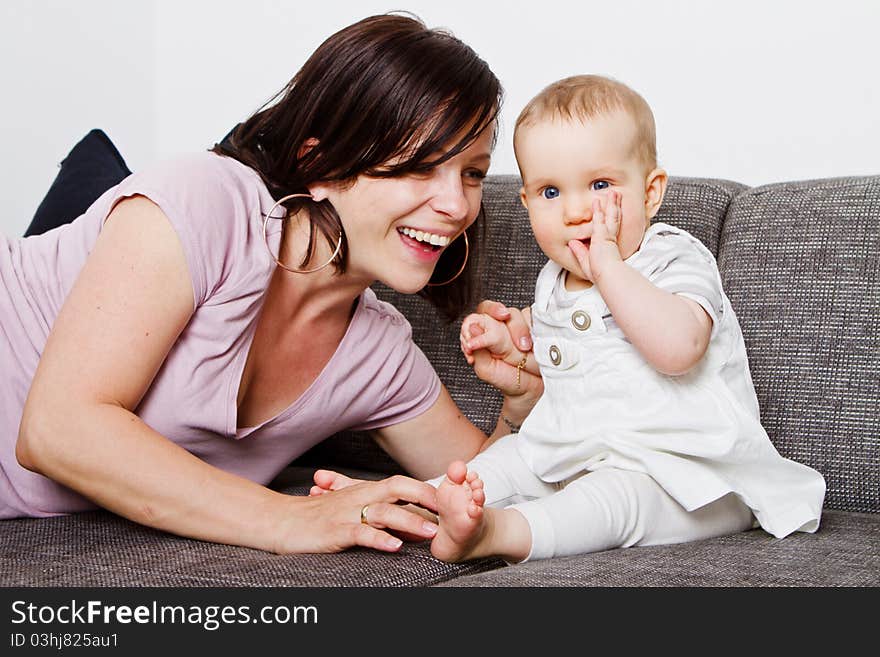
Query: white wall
(65, 68)
(755, 91)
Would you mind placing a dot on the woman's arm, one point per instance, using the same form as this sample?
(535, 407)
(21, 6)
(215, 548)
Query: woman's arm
(122, 317)
(425, 445)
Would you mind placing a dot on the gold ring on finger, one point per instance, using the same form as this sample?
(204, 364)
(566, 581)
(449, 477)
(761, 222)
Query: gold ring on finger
(364, 520)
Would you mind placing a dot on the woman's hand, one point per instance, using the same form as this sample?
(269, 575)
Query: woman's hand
(330, 520)
(330, 480)
(327, 481)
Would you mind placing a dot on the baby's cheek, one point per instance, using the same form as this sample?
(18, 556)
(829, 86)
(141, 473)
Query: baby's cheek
(632, 230)
(545, 237)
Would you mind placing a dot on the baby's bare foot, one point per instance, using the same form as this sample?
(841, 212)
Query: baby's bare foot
(460, 500)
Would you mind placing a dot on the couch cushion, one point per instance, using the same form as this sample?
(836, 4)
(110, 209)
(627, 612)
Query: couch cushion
(93, 166)
(800, 265)
(843, 553)
(699, 205)
(511, 262)
(102, 549)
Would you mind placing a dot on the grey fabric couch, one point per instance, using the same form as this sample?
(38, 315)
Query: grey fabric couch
(801, 265)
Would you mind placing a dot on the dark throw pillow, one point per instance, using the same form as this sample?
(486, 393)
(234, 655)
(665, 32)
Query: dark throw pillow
(92, 167)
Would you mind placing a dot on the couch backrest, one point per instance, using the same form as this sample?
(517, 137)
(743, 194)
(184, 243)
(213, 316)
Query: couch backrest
(800, 263)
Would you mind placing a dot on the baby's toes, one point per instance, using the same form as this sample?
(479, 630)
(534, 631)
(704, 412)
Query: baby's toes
(472, 476)
(456, 472)
(474, 510)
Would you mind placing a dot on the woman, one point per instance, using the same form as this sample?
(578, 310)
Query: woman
(208, 320)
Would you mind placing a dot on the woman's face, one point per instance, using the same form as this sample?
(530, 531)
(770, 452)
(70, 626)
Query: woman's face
(397, 228)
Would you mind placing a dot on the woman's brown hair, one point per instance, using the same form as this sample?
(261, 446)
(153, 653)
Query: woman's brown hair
(384, 89)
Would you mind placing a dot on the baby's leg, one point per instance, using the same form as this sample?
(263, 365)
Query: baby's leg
(506, 478)
(612, 508)
(467, 530)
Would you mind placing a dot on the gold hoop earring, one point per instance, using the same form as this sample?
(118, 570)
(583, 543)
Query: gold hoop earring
(467, 251)
(272, 255)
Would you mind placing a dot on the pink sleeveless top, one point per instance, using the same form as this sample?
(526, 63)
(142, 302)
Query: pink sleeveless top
(377, 376)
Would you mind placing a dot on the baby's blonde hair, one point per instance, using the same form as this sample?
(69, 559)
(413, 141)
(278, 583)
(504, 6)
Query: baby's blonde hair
(588, 96)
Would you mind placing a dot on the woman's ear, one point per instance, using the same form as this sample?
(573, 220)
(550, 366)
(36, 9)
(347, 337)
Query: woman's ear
(307, 145)
(655, 190)
(319, 190)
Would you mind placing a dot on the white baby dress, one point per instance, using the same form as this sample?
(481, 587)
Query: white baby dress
(698, 435)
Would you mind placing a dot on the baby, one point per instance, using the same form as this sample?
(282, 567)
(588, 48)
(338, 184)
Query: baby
(648, 431)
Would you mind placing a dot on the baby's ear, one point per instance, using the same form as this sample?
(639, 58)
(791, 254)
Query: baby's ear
(655, 190)
(522, 197)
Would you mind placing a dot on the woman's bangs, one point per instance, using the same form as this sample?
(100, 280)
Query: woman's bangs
(456, 121)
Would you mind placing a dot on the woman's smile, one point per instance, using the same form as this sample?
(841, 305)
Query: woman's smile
(425, 246)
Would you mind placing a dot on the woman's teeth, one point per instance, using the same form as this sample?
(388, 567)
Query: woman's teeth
(427, 238)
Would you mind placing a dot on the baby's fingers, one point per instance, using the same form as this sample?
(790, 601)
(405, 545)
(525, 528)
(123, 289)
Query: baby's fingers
(472, 325)
(476, 329)
(613, 214)
(482, 341)
(581, 254)
(600, 216)
(468, 353)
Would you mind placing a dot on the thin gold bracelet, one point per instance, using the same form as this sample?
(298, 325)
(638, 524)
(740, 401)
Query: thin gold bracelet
(519, 368)
(514, 428)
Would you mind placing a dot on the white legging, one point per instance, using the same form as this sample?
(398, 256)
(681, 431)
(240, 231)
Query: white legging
(597, 510)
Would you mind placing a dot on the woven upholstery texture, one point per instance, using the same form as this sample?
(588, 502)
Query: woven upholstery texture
(843, 553)
(801, 265)
(510, 265)
(102, 549)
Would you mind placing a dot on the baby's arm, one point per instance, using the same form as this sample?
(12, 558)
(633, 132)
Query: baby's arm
(671, 331)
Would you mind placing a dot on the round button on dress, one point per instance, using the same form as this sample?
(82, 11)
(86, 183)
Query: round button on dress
(580, 320)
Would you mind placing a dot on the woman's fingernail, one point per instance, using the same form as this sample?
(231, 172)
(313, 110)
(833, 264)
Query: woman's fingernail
(430, 528)
(525, 344)
(393, 543)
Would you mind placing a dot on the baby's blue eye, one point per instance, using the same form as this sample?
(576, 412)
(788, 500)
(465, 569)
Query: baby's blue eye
(599, 185)
(550, 192)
